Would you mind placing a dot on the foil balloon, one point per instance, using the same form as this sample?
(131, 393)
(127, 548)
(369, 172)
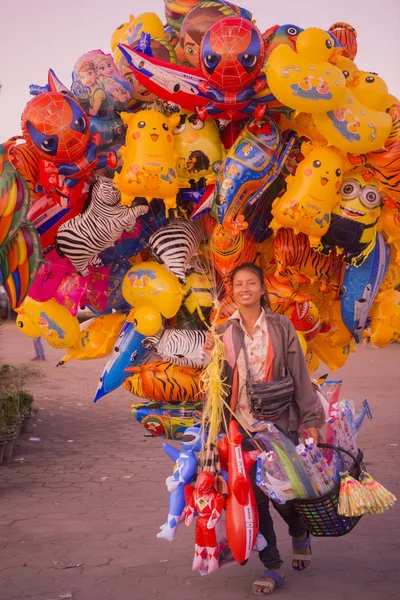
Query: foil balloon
(25, 325)
(56, 127)
(20, 259)
(199, 150)
(352, 126)
(73, 236)
(360, 287)
(334, 356)
(56, 324)
(165, 382)
(305, 79)
(306, 320)
(128, 351)
(311, 194)
(194, 26)
(167, 420)
(354, 218)
(385, 318)
(98, 86)
(147, 320)
(49, 276)
(175, 244)
(129, 33)
(14, 198)
(385, 162)
(389, 224)
(346, 36)
(149, 284)
(26, 160)
(97, 338)
(252, 164)
(179, 346)
(149, 158)
(295, 261)
(230, 247)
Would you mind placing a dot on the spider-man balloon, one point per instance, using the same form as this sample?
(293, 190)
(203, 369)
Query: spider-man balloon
(232, 54)
(55, 125)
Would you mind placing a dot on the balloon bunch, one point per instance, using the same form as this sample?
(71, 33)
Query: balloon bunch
(193, 147)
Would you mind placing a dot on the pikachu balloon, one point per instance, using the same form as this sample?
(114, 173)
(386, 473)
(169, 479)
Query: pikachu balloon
(304, 79)
(149, 158)
(311, 194)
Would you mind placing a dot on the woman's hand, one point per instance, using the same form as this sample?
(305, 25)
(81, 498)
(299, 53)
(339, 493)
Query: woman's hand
(208, 344)
(314, 433)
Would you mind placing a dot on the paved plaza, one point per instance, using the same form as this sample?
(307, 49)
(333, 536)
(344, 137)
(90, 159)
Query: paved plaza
(91, 492)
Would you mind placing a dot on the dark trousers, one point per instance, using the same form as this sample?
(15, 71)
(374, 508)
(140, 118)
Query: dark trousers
(270, 556)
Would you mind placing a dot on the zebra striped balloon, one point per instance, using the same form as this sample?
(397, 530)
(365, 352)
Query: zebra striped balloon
(104, 221)
(178, 346)
(174, 245)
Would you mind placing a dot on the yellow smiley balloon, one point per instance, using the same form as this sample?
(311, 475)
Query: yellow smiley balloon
(149, 284)
(149, 158)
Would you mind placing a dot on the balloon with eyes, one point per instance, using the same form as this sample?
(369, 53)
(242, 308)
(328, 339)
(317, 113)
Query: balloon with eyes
(56, 127)
(354, 218)
(231, 54)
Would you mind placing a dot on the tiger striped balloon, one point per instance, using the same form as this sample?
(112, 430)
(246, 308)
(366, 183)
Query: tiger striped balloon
(165, 382)
(229, 248)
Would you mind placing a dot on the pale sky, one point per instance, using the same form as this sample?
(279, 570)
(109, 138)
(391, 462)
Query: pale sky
(40, 34)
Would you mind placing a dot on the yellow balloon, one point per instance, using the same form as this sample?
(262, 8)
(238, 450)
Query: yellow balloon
(303, 124)
(305, 80)
(129, 33)
(353, 127)
(312, 361)
(26, 326)
(312, 193)
(385, 318)
(333, 356)
(199, 149)
(149, 284)
(55, 323)
(389, 224)
(148, 158)
(371, 90)
(147, 320)
(97, 337)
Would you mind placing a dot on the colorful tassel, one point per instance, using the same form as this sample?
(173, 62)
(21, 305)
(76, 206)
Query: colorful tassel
(354, 499)
(382, 499)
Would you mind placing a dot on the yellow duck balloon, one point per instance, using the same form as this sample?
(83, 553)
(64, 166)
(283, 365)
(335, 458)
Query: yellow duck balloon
(199, 149)
(359, 124)
(305, 80)
(148, 158)
(55, 323)
(312, 193)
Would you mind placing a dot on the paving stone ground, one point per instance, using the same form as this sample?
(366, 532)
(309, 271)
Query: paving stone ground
(92, 491)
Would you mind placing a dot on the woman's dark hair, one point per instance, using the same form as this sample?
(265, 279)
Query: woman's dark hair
(264, 300)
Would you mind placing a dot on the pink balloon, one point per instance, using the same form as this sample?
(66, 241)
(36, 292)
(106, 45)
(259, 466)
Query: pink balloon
(50, 276)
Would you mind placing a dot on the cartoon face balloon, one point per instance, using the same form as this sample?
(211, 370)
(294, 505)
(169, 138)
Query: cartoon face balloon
(354, 217)
(232, 54)
(149, 284)
(56, 126)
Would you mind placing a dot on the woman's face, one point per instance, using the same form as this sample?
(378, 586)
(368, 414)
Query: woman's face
(247, 289)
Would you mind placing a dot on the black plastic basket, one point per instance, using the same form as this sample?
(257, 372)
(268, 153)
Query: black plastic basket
(320, 514)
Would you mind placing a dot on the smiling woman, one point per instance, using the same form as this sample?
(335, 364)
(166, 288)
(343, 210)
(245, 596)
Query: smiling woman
(261, 348)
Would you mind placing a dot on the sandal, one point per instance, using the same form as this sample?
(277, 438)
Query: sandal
(277, 580)
(298, 545)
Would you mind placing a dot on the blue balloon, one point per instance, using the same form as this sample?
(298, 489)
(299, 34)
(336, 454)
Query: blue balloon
(360, 287)
(128, 352)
